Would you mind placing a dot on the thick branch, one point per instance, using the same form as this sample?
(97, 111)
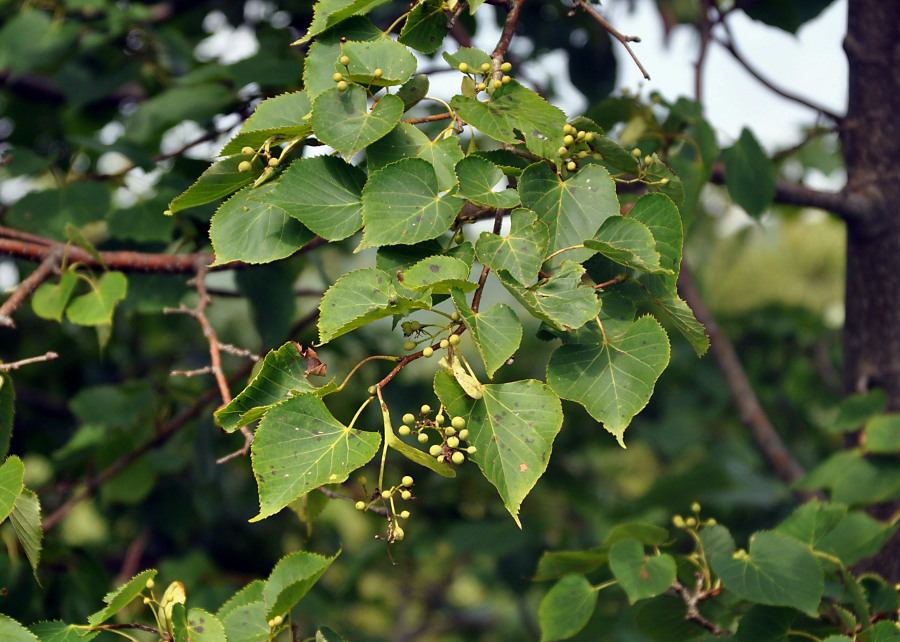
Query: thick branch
(509, 28)
(767, 440)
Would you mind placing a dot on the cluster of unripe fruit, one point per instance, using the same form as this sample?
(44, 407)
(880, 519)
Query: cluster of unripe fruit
(341, 81)
(247, 165)
(387, 495)
(451, 450)
(486, 81)
(691, 523)
(576, 146)
(411, 328)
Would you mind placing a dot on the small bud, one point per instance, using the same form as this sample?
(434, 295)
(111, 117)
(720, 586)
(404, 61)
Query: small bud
(409, 419)
(360, 505)
(453, 442)
(378, 73)
(361, 480)
(569, 139)
(439, 420)
(454, 339)
(571, 165)
(589, 137)
(580, 135)
(711, 522)
(695, 507)
(167, 213)
(342, 86)
(582, 154)
(274, 162)
(244, 166)
(277, 621)
(248, 151)
(386, 494)
(373, 390)
(563, 151)
(435, 450)
(425, 409)
(664, 181)
(568, 129)
(336, 77)
(485, 67)
(464, 434)
(345, 60)
(690, 522)
(444, 344)
(471, 450)
(464, 67)
(409, 345)
(150, 584)
(481, 86)
(415, 326)
(404, 514)
(458, 422)
(403, 431)
(398, 533)
(505, 80)
(648, 160)
(496, 84)
(678, 521)
(506, 67)
(636, 152)
(449, 431)
(458, 458)
(406, 481)
(423, 438)
(440, 459)
(405, 494)
(147, 600)
(428, 352)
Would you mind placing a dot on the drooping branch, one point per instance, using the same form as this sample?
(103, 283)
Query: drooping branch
(615, 34)
(767, 440)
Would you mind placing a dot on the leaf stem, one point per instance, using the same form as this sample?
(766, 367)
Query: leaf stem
(565, 249)
(384, 357)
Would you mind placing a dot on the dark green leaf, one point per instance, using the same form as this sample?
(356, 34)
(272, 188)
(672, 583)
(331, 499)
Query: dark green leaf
(566, 608)
(12, 472)
(640, 576)
(477, 179)
(413, 90)
(812, 521)
(769, 623)
(521, 252)
(425, 27)
(342, 118)
(26, 522)
(856, 410)
(882, 434)
(856, 537)
(496, 332)
(561, 301)
(7, 412)
(554, 564)
(283, 117)
(292, 578)
(327, 13)
(646, 534)
(438, 274)
(121, 597)
(408, 141)
(749, 174)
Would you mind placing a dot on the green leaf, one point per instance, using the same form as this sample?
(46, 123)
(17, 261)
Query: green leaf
(513, 426)
(646, 534)
(247, 624)
(282, 375)
(299, 446)
(856, 537)
(438, 274)
(26, 521)
(342, 118)
(49, 301)
(408, 141)
(362, 296)
(881, 596)
(613, 380)
(856, 410)
(615, 155)
(12, 472)
(627, 242)
(59, 631)
(12, 631)
(749, 174)
(324, 193)
(770, 623)
(218, 181)
(321, 60)
(883, 434)
(812, 521)
(425, 27)
(97, 306)
(292, 578)
(245, 228)
(566, 608)
(561, 301)
(884, 631)
(249, 594)
(477, 179)
(777, 571)
(402, 205)
(640, 576)
(521, 252)
(327, 13)
(413, 90)
(283, 117)
(327, 635)
(573, 210)
(469, 55)
(555, 564)
(716, 539)
(7, 412)
(47, 213)
(415, 455)
(496, 331)
(789, 16)
(121, 597)
(397, 63)
(203, 626)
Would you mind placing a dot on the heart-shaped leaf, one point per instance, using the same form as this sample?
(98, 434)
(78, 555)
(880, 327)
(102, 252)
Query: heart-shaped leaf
(640, 576)
(521, 252)
(342, 118)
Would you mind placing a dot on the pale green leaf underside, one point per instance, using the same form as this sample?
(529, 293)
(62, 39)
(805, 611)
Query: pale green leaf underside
(561, 301)
(324, 193)
(299, 446)
(613, 381)
(292, 578)
(122, 596)
(284, 116)
(477, 179)
(496, 332)
(402, 205)
(521, 252)
(362, 296)
(342, 119)
(283, 374)
(26, 522)
(513, 426)
(438, 274)
(640, 577)
(246, 229)
(566, 608)
(12, 472)
(627, 242)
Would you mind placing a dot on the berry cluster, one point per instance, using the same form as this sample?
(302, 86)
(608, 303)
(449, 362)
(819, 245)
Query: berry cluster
(451, 449)
(487, 70)
(576, 146)
(423, 334)
(395, 531)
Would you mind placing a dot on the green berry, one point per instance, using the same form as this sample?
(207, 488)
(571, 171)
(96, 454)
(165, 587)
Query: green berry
(458, 422)
(386, 494)
(425, 409)
(690, 522)
(569, 139)
(403, 431)
(415, 326)
(405, 494)
(582, 154)
(427, 352)
(571, 165)
(464, 434)
(695, 507)
(435, 450)
(453, 442)
(342, 86)
(373, 390)
(362, 480)
(147, 600)
(439, 420)
(505, 67)
(563, 151)
(454, 339)
(464, 67)
(485, 67)
(360, 505)
(409, 419)
(378, 73)
(244, 166)
(404, 514)
(458, 458)
(274, 162)
(459, 238)
(505, 80)
(423, 438)
(345, 60)
(496, 84)
(471, 450)
(409, 345)
(568, 129)
(454, 316)
(444, 344)
(440, 459)
(398, 533)
(336, 77)
(589, 137)
(678, 521)
(406, 481)
(248, 151)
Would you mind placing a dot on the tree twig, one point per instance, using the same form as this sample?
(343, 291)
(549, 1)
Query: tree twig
(691, 600)
(767, 440)
(378, 510)
(27, 286)
(509, 28)
(615, 34)
(15, 365)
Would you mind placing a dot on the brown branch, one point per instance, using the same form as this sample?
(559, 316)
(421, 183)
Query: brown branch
(691, 599)
(15, 365)
(428, 119)
(705, 28)
(615, 34)
(378, 510)
(27, 286)
(731, 48)
(509, 29)
(476, 299)
(767, 440)
(849, 206)
(132, 625)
